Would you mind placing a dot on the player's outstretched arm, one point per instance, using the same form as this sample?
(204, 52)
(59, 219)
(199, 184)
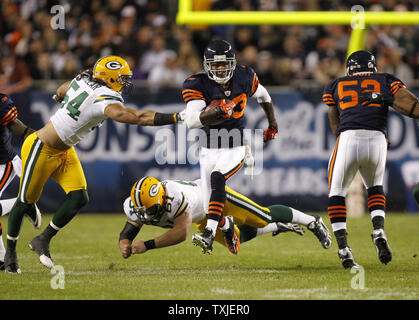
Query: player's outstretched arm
(406, 103)
(265, 101)
(18, 128)
(126, 237)
(118, 112)
(61, 91)
(177, 234)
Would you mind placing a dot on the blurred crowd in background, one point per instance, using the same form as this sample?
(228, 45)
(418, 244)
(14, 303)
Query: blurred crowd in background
(162, 53)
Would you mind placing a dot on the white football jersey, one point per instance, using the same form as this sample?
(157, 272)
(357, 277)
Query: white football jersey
(181, 195)
(82, 109)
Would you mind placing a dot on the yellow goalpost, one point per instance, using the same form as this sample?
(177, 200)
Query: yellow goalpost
(357, 16)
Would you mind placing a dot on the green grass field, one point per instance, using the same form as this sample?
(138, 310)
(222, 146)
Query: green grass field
(267, 268)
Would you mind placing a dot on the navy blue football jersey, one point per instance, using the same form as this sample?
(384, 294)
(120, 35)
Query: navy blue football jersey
(241, 86)
(8, 113)
(344, 93)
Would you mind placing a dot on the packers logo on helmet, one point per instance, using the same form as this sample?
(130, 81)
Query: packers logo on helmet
(115, 72)
(148, 193)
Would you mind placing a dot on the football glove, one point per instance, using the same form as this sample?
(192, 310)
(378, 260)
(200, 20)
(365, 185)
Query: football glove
(228, 109)
(368, 97)
(269, 134)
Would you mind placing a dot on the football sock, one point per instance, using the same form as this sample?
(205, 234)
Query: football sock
(301, 218)
(337, 212)
(416, 193)
(50, 231)
(6, 206)
(280, 213)
(341, 238)
(217, 200)
(16, 218)
(247, 232)
(73, 203)
(377, 206)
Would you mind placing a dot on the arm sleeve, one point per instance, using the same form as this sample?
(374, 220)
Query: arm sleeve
(261, 94)
(394, 84)
(8, 110)
(328, 92)
(191, 114)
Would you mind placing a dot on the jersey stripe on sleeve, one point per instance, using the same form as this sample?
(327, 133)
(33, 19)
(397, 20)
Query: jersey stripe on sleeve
(9, 117)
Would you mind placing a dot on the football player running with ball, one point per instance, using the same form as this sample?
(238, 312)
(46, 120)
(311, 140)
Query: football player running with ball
(224, 152)
(176, 204)
(358, 106)
(86, 101)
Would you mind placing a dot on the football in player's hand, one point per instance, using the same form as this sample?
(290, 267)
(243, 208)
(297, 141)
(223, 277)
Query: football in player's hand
(218, 111)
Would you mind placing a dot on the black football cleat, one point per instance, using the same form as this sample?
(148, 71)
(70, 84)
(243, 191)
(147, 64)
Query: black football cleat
(41, 247)
(380, 241)
(204, 241)
(288, 227)
(321, 232)
(10, 262)
(346, 258)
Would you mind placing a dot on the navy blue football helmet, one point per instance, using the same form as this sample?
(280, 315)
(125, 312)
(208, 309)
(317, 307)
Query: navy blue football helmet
(219, 61)
(360, 61)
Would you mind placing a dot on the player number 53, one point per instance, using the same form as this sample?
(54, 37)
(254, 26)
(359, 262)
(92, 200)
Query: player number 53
(369, 84)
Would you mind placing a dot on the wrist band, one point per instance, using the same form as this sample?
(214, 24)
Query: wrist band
(413, 108)
(150, 244)
(161, 119)
(24, 132)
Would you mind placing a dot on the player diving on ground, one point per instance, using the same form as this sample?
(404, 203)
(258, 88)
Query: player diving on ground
(177, 204)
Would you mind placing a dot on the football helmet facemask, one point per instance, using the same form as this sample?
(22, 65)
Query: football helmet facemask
(115, 72)
(360, 61)
(219, 61)
(147, 196)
